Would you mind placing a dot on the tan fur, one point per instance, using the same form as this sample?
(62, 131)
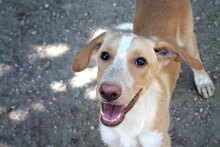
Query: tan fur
(162, 76)
(171, 22)
(82, 58)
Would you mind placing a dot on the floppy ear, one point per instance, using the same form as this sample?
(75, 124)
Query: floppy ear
(82, 58)
(168, 51)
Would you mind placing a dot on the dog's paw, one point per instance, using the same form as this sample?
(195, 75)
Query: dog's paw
(204, 84)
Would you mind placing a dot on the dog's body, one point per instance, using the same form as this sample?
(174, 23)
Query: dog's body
(136, 75)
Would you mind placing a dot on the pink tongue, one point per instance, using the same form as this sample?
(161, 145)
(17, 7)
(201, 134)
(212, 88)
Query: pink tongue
(112, 111)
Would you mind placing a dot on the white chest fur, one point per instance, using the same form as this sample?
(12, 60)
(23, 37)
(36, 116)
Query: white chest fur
(120, 139)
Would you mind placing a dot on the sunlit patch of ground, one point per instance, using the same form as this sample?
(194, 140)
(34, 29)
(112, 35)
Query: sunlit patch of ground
(91, 93)
(84, 77)
(38, 107)
(58, 86)
(54, 50)
(19, 114)
(4, 69)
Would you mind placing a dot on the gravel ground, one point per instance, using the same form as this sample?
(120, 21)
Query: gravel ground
(43, 103)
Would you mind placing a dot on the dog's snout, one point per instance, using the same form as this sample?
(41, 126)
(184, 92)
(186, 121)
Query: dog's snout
(110, 92)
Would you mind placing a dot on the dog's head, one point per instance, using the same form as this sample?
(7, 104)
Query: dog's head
(126, 65)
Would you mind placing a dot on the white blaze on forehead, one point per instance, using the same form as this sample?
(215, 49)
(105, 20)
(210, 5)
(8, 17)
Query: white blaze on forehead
(124, 44)
(118, 71)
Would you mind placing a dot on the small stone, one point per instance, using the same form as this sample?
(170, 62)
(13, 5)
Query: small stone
(201, 110)
(30, 56)
(92, 127)
(22, 22)
(216, 68)
(197, 18)
(86, 14)
(46, 5)
(217, 3)
(189, 90)
(195, 98)
(114, 4)
(33, 32)
(215, 77)
(216, 23)
(54, 14)
(178, 118)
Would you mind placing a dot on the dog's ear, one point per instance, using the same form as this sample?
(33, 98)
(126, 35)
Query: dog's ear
(82, 58)
(167, 51)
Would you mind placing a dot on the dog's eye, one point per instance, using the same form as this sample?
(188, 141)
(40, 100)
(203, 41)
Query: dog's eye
(140, 62)
(105, 56)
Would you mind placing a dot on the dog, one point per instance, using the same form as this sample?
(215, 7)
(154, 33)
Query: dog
(137, 72)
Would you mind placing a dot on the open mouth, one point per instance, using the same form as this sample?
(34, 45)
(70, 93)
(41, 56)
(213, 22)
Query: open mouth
(112, 115)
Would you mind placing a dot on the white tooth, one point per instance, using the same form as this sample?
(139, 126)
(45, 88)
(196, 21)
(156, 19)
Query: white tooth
(118, 115)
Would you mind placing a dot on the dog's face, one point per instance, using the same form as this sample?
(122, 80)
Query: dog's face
(126, 66)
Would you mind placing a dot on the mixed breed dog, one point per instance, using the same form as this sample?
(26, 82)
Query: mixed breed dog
(137, 72)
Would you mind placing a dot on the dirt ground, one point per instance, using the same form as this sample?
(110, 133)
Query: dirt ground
(43, 103)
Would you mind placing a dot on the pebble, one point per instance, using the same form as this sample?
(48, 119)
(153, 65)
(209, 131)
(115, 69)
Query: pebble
(201, 110)
(86, 14)
(22, 22)
(189, 90)
(114, 4)
(54, 14)
(215, 77)
(54, 99)
(92, 127)
(46, 5)
(216, 23)
(217, 2)
(33, 33)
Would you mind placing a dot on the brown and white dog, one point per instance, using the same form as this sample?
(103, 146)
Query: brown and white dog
(137, 72)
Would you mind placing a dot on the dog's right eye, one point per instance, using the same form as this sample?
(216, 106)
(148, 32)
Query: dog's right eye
(105, 56)
(140, 62)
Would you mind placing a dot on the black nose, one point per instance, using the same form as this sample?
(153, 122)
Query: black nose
(110, 92)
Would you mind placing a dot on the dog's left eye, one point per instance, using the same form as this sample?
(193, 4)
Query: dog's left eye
(140, 62)
(105, 56)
